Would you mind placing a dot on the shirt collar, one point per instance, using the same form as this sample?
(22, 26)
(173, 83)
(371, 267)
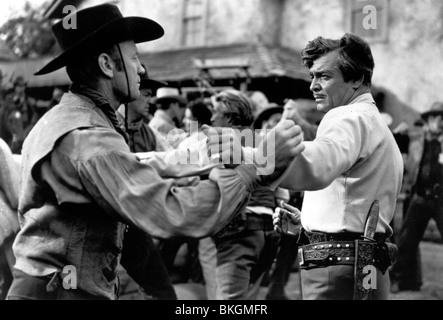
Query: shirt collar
(134, 126)
(364, 98)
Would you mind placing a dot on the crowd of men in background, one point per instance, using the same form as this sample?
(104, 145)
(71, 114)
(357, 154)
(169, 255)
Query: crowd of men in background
(19, 111)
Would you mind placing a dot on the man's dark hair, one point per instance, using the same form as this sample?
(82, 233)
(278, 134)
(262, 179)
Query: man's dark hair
(355, 57)
(85, 69)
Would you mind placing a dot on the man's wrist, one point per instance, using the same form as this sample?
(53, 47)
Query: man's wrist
(265, 173)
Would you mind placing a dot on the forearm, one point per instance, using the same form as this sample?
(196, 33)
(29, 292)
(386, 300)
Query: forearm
(166, 207)
(266, 172)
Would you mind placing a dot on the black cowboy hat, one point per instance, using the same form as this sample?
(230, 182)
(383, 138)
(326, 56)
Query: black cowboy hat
(436, 109)
(264, 115)
(96, 28)
(146, 82)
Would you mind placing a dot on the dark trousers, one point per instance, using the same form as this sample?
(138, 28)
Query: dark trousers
(7, 261)
(146, 271)
(190, 268)
(286, 257)
(407, 267)
(234, 263)
(26, 287)
(242, 260)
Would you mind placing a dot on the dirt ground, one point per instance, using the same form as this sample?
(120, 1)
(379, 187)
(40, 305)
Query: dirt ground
(432, 264)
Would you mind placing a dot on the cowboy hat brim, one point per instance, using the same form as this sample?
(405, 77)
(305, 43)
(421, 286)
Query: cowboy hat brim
(433, 113)
(180, 99)
(128, 28)
(265, 114)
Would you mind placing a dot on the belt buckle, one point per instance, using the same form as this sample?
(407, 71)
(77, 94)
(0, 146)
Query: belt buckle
(301, 258)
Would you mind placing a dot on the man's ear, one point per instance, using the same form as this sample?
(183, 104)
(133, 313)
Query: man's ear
(106, 64)
(357, 83)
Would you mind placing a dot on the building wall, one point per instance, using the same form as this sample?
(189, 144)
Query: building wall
(271, 13)
(410, 64)
(234, 21)
(304, 20)
(227, 21)
(168, 13)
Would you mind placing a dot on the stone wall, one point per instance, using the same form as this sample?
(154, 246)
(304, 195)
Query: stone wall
(168, 13)
(227, 21)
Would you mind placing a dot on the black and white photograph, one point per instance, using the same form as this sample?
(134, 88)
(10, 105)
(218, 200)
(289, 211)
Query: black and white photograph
(248, 152)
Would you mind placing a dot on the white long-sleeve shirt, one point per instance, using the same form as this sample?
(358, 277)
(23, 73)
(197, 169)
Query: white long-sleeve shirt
(353, 161)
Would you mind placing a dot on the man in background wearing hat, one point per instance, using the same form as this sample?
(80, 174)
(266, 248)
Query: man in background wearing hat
(171, 108)
(168, 117)
(142, 138)
(247, 246)
(268, 117)
(82, 188)
(425, 176)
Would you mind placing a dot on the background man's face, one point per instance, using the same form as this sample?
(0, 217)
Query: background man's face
(140, 107)
(272, 121)
(179, 112)
(434, 124)
(329, 88)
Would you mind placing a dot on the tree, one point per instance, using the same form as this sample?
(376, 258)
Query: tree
(28, 35)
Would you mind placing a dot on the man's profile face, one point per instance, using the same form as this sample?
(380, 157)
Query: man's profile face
(133, 68)
(329, 88)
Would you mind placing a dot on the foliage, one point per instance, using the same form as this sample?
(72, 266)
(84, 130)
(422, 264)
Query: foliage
(29, 34)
